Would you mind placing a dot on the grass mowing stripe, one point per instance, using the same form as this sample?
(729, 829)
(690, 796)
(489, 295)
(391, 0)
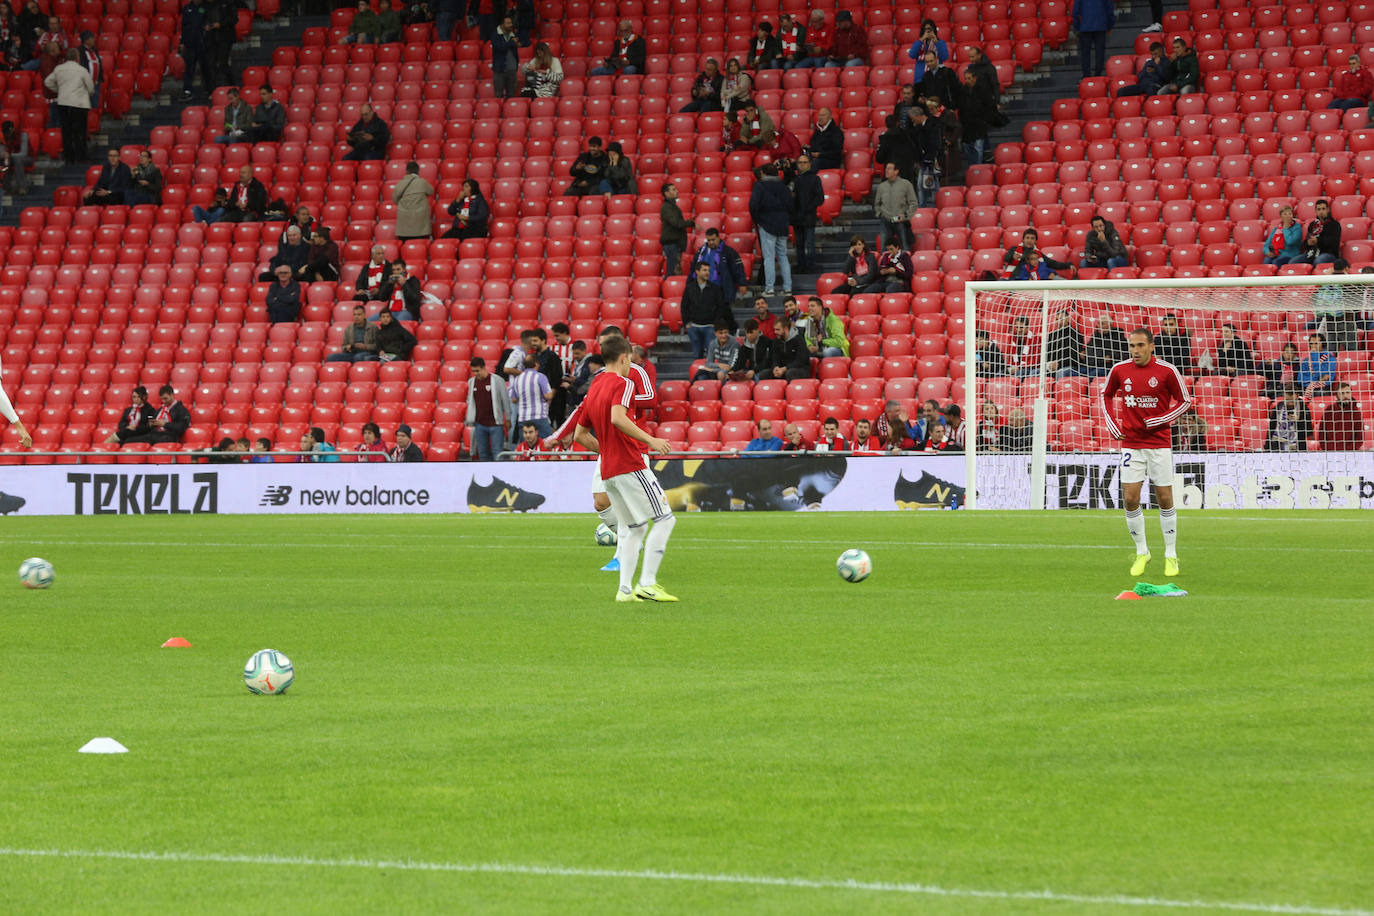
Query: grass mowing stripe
(563, 871)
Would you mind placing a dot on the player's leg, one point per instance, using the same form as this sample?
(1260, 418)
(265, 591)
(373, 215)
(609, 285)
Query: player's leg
(1162, 484)
(1132, 478)
(632, 514)
(656, 543)
(602, 504)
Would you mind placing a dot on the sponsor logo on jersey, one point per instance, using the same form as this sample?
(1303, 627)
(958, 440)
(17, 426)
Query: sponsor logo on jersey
(1143, 401)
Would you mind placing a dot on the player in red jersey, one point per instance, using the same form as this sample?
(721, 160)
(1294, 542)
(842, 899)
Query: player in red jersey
(645, 399)
(605, 427)
(1154, 395)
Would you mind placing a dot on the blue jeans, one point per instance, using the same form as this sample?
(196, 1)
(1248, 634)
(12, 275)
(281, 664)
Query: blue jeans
(973, 151)
(1281, 259)
(203, 215)
(810, 63)
(357, 39)
(1347, 104)
(487, 442)
(901, 230)
(700, 337)
(775, 246)
(852, 62)
(1092, 53)
(359, 356)
(830, 351)
(806, 246)
(611, 71)
(672, 256)
(1320, 259)
(1112, 263)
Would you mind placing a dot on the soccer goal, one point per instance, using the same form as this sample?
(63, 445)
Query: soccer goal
(1278, 369)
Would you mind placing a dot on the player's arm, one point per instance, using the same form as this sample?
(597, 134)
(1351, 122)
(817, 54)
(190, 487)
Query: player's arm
(645, 396)
(1109, 392)
(583, 437)
(7, 411)
(1178, 388)
(620, 419)
(565, 432)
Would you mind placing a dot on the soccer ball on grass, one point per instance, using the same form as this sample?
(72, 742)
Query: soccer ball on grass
(35, 573)
(268, 672)
(605, 535)
(854, 565)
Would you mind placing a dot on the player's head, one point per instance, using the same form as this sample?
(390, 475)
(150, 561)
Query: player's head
(1142, 344)
(616, 352)
(606, 334)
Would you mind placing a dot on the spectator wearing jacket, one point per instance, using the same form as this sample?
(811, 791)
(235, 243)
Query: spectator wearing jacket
(169, 422)
(1186, 75)
(987, 358)
(113, 183)
(90, 59)
(283, 297)
(1019, 253)
(1064, 348)
(861, 270)
(218, 209)
(672, 230)
(1317, 370)
(401, 293)
(849, 47)
(1353, 85)
(1284, 242)
(322, 262)
(756, 127)
(618, 176)
(192, 49)
(895, 268)
(470, 213)
(489, 411)
(827, 142)
(238, 119)
(146, 185)
(1175, 345)
(977, 108)
(135, 420)
(1153, 74)
(894, 203)
(587, 170)
(1092, 20)
(735, 86)
(543, 73)
(14, 145)
(764, 50)
(412, 197)
(706, 88)
(359, 341)
(505, 59)
(721, 356)
(930, 152)
(816, 51)
(939, 81)
(1105, 348)
(770, 205)
(269, 118)
(372, 275)
(1290, 423)
(824, 330)
(1233, 354)
(627, 55)
(405, 449)
(247, 198)
(727, 267)
(755, 356)
(1342, 425)
(1104, 246)
(987, 73)
(807, 197)
(74, 87)
(293, 252)
(791, 359)
(394, 340)
(791, 37)
(1322, 240)
(930, 40)
(368, 137)
(703, 306)
(366, 27)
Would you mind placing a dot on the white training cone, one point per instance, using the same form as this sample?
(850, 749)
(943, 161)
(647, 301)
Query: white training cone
(103, 746)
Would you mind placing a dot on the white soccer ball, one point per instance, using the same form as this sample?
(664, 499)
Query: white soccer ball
(268, 672)
(35, 573)
(605, 535)
(854, 565)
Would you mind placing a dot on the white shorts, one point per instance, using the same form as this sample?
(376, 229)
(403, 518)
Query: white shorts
(598, 485)
(637, 497)
(1154, 463)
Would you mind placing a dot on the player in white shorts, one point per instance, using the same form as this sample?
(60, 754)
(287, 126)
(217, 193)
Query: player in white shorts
(7, 411)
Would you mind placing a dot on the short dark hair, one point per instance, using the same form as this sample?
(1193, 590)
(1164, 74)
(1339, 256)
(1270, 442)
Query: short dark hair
(1146, 332)
(1156, 46)
(141, 392)
(374, 428)
(721, 325)
(596, 359)
(829, 420)
(1321, 201)
(477, 362)
(579, 345)
(614, 348)
(816, 299)
(1319, 336)
(317, 434)
(528, 424)
(611, 330)
(560, 327)
(1030, 232)
(265, 443)
(712, 230)
(751, 324)
(166, 389)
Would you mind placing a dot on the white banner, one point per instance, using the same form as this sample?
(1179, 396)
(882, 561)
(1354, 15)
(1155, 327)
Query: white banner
(1264, 480)
(766, 483)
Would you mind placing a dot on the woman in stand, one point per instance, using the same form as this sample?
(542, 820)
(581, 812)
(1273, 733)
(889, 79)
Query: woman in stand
(1284, 243)
(736, 87)
(543, 72)
(470, 213)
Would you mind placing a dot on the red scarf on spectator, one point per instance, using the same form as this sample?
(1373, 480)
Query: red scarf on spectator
(788, 37)
(622, 47)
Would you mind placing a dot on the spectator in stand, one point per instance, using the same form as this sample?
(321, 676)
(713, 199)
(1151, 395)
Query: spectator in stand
(640, 357)
(586, 170)
(489, 411)
(756, 127)
(1185, 72)
(531, 393)
(706, 88)
(824, 330)
(826, 145)
(894, 203)
(930, 152)
(366, 27)
(1290, 423)
(372, 444)
(755, 354)
(147, 182)
(735, 87)
(136, 420)
(543, 73)
(401, 293)
(284, 297)
(898, 145)
(221, 19)
(1174, 345)
(954, 427)
(74, 87)
(791, 359)
(247, 198)
(902, 112)
(505, 58)
(1017, 256)
(627, 56)
(764, 50)
(1033, 267)
(1322, 242)
(727, 267)
(547, 361)
(576, 377)
(807, 197)
(322, 262)
(113, 183)
(238, 119)
(47, 63)
(1156, 71)
(269, 118)
(1354, 85)
(394, 340)
(9, 38)
(217, 210)
(169, 423)
(1104, 246)
(977, 109)
(939, 81)
(1281, 372)
(90, 59)
(1023, 351)
(989, 428)
(672, 230)
(53, 34)
(864, 441)
(702, 306)
(849, 47)
(1284, 244)
(895, 268)
(831, 440)
(405, 449)
(301, 219)
(930, 40)
(294, 254)
(817, 48)
(31, 24)
(1016, 435)
(14, 144)
(389, 22)
(1317, 371)
(952, 161)
(1106, 347)
(619, 175)
(528, 444)
(764, 317)
(1340, 327)
(792, 439)
(770, 205)
(412, 197)
(987, 73)
(1189, 432)
(892, 428)
(372, 275)
(368, 137)
(1092, 20)
(316, 449)
(1066, 348)
(470, 213)
(262, 451)
(764, 441)
(987, 358)
(721, 356)
(791, 41)
(359, 341)
(1342, 424)
(861, 270)
(1233, 354)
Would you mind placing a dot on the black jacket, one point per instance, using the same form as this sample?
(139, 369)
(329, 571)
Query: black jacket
(1098, 251)
(672, 226)
(283, 302)
(381, 136)
(1235, 360)
(1106, 348)
(293, 256)
(1065, 347)
(977, 106)
(807, 197)
(362, 287)
(899, 147)
(772, 50)
(1328, 239)
(756, 357)
(770, 205)
(257, 199)
(634, 54)
(410, 293)
(143, 414)
(1176, 349)
(702, 304)
(178, 420)
(119, 178)
(930, 142)
(478, 216)
(827, 146)
(941, 83)
(271, 117)
(395, 339)
(790, 352)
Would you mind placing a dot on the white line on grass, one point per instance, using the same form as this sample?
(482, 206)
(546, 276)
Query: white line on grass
(565, 871)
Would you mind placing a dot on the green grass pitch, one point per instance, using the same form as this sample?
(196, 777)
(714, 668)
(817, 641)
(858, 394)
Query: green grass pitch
(978, 728)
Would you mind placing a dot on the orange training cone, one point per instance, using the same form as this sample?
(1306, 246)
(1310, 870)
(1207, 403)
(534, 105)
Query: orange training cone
(1128, 595)
(176, 642)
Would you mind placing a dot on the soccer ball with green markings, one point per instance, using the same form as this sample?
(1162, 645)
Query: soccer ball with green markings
(854, 565)
(605, 535)
(268, 672)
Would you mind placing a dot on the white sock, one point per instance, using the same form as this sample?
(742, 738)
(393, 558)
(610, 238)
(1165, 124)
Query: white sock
(654, 545)
(627, 552)
(1135, 524)
(607, 515)
(1168, 523)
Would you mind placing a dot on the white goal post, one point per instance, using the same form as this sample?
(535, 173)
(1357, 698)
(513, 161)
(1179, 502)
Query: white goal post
(1270, 426)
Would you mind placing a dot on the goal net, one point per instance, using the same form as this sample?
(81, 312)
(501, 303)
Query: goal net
(1278, 369)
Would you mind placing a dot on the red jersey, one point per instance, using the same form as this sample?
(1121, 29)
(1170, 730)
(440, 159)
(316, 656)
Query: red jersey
(619, 453)
(645, 399)
(1153, 397)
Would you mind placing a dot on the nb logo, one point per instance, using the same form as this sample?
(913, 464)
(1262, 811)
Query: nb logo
(275, 496)
(508, 497)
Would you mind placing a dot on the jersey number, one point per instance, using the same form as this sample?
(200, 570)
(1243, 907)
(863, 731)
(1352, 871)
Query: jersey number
(1125, 459)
